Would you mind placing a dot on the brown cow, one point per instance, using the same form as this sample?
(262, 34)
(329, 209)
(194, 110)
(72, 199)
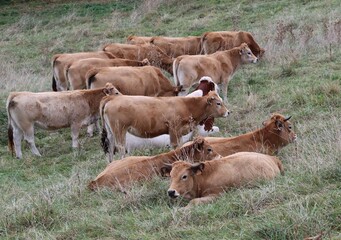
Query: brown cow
(275, 134)
(177, 46)
(77, 70)
(139, 52)
(203, 182)
(220, 66)
(146, 81)
(132, 169)
(153, 116)
(220, 41)
(132, 39)
(61, 62)
(51, 110)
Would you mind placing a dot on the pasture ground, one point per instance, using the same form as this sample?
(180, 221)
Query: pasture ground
(300, 75)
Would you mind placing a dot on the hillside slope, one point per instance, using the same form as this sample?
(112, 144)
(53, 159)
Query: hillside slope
(300, 75)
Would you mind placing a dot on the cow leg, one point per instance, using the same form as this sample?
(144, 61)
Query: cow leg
(197, 201)
(111, 141)
(120, 141)
(29, 137)
(93, 128)
(17, 137)
(175, 138)
(224, 91)
(75, 134)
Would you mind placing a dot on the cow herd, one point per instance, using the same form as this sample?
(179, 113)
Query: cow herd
(126, 87)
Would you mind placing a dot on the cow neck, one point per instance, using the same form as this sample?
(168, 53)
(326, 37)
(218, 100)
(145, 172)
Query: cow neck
(235, 57)
(200, 180)
(93, 97)
(268, 138)
(199, 103)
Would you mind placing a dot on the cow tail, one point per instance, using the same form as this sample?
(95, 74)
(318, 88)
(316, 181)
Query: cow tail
(202, 40)
(90, 77)
(10, 127)
(54, 83)
(175, 71)
(104, 134)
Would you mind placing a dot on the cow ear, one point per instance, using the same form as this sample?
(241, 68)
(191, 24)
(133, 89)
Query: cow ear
(165, 170)
(279, 125)
(197, 168)
(209, 100)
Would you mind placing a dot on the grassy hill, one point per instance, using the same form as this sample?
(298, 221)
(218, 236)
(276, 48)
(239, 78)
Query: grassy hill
(46, 198)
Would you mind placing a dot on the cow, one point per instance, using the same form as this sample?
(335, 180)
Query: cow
(203, 182)
(225, 40)
(77, 70)
(220, 66)
(132, 39)
(51, 110)
(275, 134)
(204, 129)
(177, 46)
(139, 52)
(153, 116)
(61, 62)
(121, 173)
(146, 80)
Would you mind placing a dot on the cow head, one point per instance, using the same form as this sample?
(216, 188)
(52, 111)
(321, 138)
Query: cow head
(215, 106)
(109, 89)
(206, 85)
(183, 176)
(246, 54)
(282, 129)
(199, 150)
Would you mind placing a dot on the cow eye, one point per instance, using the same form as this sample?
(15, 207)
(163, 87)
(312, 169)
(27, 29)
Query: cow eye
(184, 177)
(218, 103)
(289, 127)
(248, 53)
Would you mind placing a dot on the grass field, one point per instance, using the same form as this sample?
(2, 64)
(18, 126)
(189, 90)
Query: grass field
(300, 75)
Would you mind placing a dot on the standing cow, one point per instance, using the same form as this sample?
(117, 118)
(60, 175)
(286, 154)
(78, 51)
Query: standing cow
(225, 40)
(153, 116)
(220, 66)
(51, 110)
(61, 62)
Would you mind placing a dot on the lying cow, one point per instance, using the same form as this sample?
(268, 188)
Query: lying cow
(220, 66)
(203, 182)
(204, 129)
(77, 70)
(146, 81)
(153, 116)
(177, 46)
(276, 134)
(51, 110)
(61, 62)
(119, 174)
(139, 52)
(220, 41)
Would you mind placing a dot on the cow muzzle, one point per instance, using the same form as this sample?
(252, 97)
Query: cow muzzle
(255, 60)
(172, 193)
(227, 113)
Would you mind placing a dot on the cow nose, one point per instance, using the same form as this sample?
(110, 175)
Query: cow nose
(171, 193)
(255, 61)
(227, 113)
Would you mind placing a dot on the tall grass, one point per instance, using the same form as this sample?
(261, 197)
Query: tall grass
(46, 198)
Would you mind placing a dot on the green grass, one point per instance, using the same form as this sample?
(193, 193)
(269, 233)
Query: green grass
(300, 75)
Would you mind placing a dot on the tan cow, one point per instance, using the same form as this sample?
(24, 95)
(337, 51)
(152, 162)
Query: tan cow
(225, 40)
(203, 182)
(61, 62)
(77, 70)
(146, 81)
(276, 133)
(177, 46)
(139, 52)
(220, 66)
(132, 39)
(153, 116)
(51, 110)
(121, 173)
